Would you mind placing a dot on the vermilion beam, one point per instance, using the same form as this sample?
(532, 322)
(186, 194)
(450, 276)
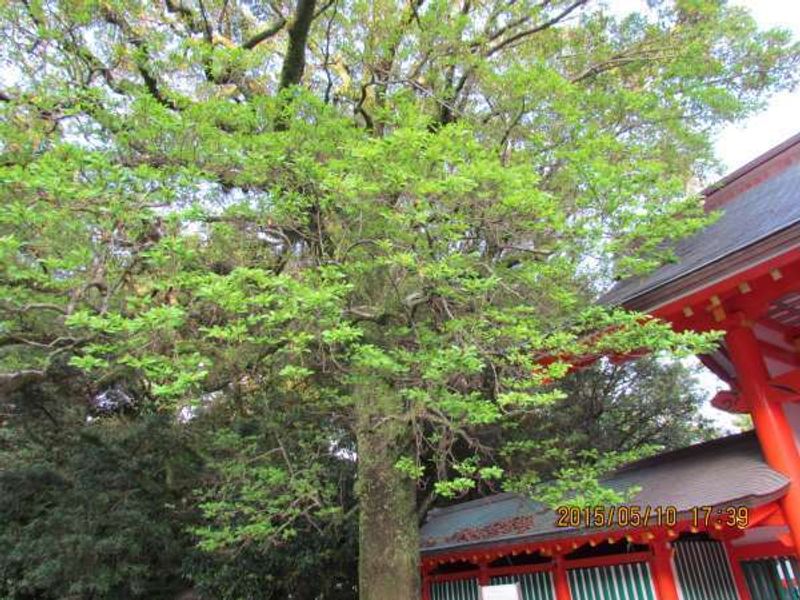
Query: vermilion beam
(772, 428)
(426, 585)
(483, 574)
(671, 311)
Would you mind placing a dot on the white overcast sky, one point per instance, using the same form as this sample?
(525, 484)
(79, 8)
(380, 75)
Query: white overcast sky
(780, 119)
(740, 143)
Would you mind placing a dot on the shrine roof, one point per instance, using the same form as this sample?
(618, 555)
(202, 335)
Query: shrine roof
(726, 471)
(757, 202)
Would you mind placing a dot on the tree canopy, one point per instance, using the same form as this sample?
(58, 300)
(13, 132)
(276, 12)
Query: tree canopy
(378, 218)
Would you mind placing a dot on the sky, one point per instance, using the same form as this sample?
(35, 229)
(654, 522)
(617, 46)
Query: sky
(738, 144)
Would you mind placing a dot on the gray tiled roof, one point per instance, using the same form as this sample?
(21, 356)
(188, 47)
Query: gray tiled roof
(727, 471)
(760, 211)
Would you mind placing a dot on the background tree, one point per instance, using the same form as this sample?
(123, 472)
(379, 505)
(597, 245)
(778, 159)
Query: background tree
(383, 211)
(611, 412)
(90, 510)
(98, 499)
(619, 407)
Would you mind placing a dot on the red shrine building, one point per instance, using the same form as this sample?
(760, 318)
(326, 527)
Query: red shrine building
(716, 521)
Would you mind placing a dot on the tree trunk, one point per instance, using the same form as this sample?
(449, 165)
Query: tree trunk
(388, 561)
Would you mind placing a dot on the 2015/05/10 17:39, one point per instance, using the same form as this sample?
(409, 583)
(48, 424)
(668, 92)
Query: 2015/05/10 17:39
(659, 516)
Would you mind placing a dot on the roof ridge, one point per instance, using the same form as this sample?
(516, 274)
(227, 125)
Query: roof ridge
(678, 453)
(759, 160)
(490, 499)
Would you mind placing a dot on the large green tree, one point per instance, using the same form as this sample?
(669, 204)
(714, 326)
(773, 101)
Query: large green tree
(387, 211)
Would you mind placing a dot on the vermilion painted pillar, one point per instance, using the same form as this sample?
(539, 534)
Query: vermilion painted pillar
(561, 581)
(426, 584)
(773, 430)
(738, 573)
(663, 575)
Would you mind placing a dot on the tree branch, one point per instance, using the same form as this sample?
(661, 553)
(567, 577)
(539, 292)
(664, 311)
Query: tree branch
(35, 306)
(541, 27)
(323, 8)
(265, 34)
(207, 31)
(150, 80)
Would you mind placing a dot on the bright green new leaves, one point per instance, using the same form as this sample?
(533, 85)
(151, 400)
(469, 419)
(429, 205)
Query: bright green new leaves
(258, 499)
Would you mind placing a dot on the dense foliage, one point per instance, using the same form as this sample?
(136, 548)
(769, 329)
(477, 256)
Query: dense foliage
(625, 406)
(84, 507)
(365, 222)
(611, 413)
(102, 504)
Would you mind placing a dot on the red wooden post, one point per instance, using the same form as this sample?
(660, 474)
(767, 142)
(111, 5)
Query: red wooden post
(663, 575)
(560, 580)
(738, 573)
(773, 430)
(426, 583)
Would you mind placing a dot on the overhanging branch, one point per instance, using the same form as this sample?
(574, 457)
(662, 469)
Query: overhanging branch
(265, 34)
(541, 27)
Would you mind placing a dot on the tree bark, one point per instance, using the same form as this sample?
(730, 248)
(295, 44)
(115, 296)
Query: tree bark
(388, 562)
(294, 62)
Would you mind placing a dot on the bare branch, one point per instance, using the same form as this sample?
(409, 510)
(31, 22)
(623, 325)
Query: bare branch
(323, 8)
(620, 60)
(150, 80)
(265, 34)
(207, 31)
(541, 27)
(35, 306)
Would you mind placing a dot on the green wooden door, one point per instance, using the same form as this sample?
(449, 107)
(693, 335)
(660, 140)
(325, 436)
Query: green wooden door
(618, 582)
(535, 586)
(703, 571)
(459, 589)
(774, 578)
